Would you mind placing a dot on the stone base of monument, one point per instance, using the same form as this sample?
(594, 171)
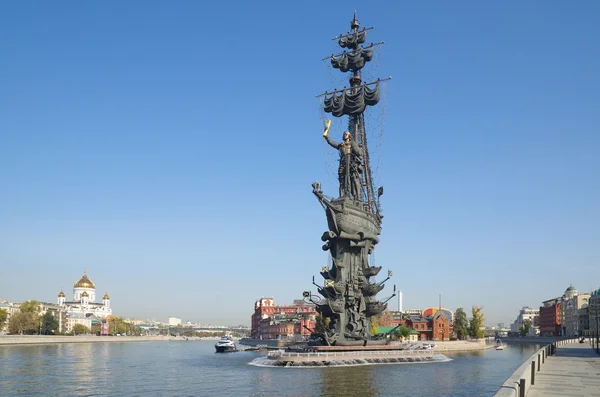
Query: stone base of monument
(351, 355)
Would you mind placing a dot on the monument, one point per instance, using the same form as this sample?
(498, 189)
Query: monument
(347, 298)
(348, 295)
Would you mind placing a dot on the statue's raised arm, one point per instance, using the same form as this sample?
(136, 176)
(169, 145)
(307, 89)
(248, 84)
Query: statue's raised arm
(333, 144)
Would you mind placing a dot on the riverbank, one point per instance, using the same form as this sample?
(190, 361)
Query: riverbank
(460, 345)
(50, 339)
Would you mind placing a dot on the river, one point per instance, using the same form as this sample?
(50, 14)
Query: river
(192, 368)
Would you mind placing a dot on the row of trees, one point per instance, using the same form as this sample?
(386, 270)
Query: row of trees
(29, 321)
(469, 328)
(464, 328)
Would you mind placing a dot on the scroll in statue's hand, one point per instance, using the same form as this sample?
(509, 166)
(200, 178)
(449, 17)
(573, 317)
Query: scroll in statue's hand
(327, 125)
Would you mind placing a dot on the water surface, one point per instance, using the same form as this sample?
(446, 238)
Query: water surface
(192, 368)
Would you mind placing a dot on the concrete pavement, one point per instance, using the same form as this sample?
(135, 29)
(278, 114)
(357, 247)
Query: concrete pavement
(573, 371)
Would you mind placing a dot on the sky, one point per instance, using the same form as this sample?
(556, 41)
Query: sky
(168, 148)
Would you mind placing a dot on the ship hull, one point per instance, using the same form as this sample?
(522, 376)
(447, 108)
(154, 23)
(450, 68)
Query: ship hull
(347, 216)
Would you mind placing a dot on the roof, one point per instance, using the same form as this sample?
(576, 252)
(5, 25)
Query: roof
(384, 330)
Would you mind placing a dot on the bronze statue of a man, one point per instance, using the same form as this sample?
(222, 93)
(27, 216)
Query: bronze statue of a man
(350, 166)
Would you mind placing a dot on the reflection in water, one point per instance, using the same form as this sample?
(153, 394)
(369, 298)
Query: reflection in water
(348, 381)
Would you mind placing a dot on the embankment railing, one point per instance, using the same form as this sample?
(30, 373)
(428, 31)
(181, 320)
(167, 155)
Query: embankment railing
(521, 380)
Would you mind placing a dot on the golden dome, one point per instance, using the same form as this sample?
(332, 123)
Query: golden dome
(105, 296)
(84, 282)
(61, 294)
(85, 294)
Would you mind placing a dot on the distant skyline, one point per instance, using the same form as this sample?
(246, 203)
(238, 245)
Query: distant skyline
(169, 149)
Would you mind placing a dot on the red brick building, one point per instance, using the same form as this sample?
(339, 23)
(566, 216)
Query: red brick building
(435, 327)
(550, 323)
(276, 322)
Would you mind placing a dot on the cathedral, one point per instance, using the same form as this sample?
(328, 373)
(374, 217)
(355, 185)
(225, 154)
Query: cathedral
(84, 300)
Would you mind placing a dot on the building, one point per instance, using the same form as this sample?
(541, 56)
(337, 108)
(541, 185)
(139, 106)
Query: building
(550, 317)
(270, 321)
(573, 303)
(59, 313)
(594, 314)
(429, 324)
(84, 300)
(174, 321)
(525, 314)
(431, 311)
(10, 309)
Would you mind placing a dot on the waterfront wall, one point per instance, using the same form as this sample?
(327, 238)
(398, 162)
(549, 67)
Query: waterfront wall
(521, 380)
(542, 340)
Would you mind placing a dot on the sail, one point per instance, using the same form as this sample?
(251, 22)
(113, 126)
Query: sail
(348, 103)
(354, 60)
(352, 40)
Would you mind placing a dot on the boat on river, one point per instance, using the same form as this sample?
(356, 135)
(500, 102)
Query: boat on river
(225, 345)
(500, 345)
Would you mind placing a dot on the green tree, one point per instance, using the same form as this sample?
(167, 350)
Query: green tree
(374, 325)
(402, 332)
(49, 324)
(30, 307)
(79, 329)
(96, 329)
(524, 328)
(461, 324)
(476, 323)
(3, 317)
(118, 325)
(23, 323)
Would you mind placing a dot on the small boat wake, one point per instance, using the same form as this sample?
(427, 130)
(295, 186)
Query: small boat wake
(349, 362)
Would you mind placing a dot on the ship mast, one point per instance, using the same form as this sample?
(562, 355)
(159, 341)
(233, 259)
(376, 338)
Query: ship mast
(356, 124)
(352, 101)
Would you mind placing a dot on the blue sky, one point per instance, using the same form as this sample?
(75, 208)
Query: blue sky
(169, 148)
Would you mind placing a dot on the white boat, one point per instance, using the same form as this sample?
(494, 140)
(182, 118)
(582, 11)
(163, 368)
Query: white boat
(499, 345)
(225, 345)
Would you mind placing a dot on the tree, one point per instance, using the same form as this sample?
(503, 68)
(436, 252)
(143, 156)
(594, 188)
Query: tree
(96, 329)
(461, 324)
(374, 325)
(79, 329)
(30, 307)
(476, 323)
(524, 328)
(3, 317)
(23, 323)
(49, 324)
(402, 332)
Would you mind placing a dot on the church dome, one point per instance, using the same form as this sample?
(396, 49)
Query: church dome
(84, 282)
(61, 294)
(85, 294)
(105, 296)
(571, 288)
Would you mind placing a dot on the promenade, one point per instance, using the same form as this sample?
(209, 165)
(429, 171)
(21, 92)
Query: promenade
(573, 371)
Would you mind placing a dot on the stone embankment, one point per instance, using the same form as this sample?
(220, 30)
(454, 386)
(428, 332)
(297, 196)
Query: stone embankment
(460, 345)
(519, 383)
(49, 339)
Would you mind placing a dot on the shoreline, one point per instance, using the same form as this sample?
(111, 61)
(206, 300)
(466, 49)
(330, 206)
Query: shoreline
(8, 340)
(12, 340)
(459, 346)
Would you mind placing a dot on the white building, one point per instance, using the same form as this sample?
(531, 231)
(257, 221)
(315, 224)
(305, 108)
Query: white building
(573, 304)
(84, 301)
(174, 321)
(526, 313)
